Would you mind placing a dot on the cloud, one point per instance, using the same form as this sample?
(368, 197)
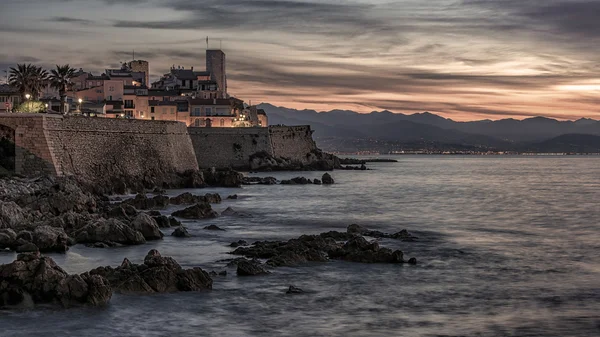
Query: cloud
(65, 19)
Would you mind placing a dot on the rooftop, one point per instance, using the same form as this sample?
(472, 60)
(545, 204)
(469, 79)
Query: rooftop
(218, 101)
(7, 89)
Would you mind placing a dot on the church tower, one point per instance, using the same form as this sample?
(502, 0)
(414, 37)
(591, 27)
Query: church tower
(215, 65)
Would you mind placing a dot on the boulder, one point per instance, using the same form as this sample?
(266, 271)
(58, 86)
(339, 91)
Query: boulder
(64, 196)
(188, 199)
(214, 228)
(402, 235)
(294, 290)
(231, 212)
(50, 239)
(11, 214)
(157, 274)
(327, 179)
(141, 201)
(232, 197)
(227, 178)
(317, 182)
(198, 211)
(109, 230)
(162, 221)
(250, 268)
(238, 243)
(27, 247)
(8, 238)
(33, 279)
(147, 226)
(123, 211)
(181, 232)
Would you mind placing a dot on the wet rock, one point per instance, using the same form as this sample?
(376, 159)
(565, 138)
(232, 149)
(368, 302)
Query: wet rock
(233, 197)
(123, 211)
(259, 181)
(227, 178)
(214, 228)
(250, 268)
(50, 239)
(402, 235)
(188, 199)
(327, 179)
(174, 222)
(141, 201)
(231, 212)
(27, 247)
(71, 222)
(162, 221)
(181, 232)
(198, 211)
(110, 230)
(25, 236)
(154, 213)
(294, 290)
(64, 196)
(317, 182)
(238, 243)
(8, 238)
(33, 279)
(11, 214)
(412, 261)
(147, 226)
(157, 274)
(223, 273)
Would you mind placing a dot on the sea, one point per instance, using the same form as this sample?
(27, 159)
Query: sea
(507, 246)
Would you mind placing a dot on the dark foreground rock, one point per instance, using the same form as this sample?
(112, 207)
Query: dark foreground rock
(181, 232)
(294, 290)
(327, 179)
(141, 201)
(402, 235)
(320, 248)
(156, 275)
(297, 181)
(188, 199)
(250, 268)
(259, 181)
(33, 279)
(146, 225)
(198, 211)
(214, 228)
(109, 230)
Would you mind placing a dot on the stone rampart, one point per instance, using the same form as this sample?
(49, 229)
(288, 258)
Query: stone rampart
(293, 142)
(228, 147)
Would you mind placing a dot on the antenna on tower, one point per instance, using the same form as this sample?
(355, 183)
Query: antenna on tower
(133, 55)
(220, 44)
(207, 43)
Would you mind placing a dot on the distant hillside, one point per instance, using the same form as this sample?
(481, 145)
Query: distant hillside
(570, 143)
(342, 128)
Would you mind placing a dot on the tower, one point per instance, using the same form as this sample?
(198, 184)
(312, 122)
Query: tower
(139, 66)
(215, 65)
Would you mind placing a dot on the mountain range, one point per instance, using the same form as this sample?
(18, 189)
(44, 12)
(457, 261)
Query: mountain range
(385, 131)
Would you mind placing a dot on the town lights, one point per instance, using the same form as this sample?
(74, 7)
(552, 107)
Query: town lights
(27, 96)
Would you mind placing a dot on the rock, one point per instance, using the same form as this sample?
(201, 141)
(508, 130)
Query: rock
(214, 228)
(181, 232)
(317, 182)
(72, 222)
(174, 222)
(123, 211)
(327, 179)
(11, 214)
(412, 261)
(188, 199)
(50, 239)
(227, 178)
(231, 212)
(8, 238)
(33, 279)
(402, 235)
(193, 179)
(238, 243)
(25, 236)
(111, 230)
(250, 268)
(64, 196)
(156, 275)
(154, 213)
(27, 247)
(223, 273)
(147, 226)
(162, 221)
(294, 290)
(141, 201)
(198, 211)
(357, 229)
(233, 197)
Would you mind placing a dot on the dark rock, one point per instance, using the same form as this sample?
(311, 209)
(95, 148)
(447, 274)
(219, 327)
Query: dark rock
(317, 182)
(193, 179)
(50, 239)
(223, 273)
(250, 268)
(198, 211)
(227, 178)
(294, 290)
(233, 197)
(238, 243)
(162, 221)
(33, 279)
(27, 247)
(402, 235)
(231, 212)
(158, 190)
(188, 199)
(123, 211)
(357, 229)
(111, 230)
(8, 238)
(147, 226)
(64, 196)
(412, 261)
(181, 232)
(11, 214)
(327, 179)
(25, 235)
(174, 222)
(156, 275)
(141, 201)
(154, 213)
(214, 228)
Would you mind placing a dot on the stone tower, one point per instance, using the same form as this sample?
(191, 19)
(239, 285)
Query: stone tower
(215, 65)
(139, 66)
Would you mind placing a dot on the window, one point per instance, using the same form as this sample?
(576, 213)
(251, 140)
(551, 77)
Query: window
(129, 104)
(196, 112)
(152, 118)
(2, 99)
(111, 88)
(197, 122)
(98, 91)
(164, 110)
(208, 111)
(222, 122)
(152, 110)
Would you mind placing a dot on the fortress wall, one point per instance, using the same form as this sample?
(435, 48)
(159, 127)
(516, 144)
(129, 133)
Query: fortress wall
(293, 142)
(228, 147)
(100, 148)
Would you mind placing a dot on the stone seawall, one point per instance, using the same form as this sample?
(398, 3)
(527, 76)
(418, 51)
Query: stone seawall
(228, 147)
(99, 149)
(293, 142)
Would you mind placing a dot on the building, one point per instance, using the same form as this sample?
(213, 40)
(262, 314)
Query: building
(140, 66)
(9, 98)
(215, 65)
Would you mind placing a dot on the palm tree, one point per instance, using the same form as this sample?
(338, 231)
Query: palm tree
(60, 79)
(27, 79)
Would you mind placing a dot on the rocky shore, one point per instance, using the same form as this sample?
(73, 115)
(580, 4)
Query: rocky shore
(52, 214)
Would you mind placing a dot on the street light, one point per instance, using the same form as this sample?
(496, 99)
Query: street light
(27, 96)
(80, 101)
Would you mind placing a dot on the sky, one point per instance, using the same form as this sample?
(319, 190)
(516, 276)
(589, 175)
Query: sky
(462, 59)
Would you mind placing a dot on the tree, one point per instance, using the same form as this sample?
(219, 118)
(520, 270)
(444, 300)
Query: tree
(27, 79)
(61, 80)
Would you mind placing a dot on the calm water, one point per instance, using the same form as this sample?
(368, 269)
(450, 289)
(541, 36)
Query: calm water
(508, 247)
